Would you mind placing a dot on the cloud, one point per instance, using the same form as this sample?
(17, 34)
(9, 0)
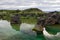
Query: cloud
(45, 5)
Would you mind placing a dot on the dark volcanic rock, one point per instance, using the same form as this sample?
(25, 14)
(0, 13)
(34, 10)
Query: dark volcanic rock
(42, 22)
(15, 19)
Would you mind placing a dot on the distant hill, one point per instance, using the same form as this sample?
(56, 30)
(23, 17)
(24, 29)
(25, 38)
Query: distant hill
(26, 11)
(32, 10)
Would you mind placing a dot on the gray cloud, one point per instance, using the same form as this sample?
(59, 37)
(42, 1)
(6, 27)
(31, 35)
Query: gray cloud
(45, 5)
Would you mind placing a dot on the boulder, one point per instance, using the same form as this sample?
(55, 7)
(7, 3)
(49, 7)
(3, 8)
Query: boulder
(39, 26)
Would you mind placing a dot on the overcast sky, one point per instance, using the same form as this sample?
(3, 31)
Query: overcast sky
(45, 5)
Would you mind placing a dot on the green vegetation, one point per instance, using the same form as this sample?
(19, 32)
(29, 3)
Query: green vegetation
(30, 20)
(28, 13)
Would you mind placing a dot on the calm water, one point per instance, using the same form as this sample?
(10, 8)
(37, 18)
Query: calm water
(7, 32)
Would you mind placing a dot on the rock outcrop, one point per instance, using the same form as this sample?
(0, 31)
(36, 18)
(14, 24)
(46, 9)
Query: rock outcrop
(50, 20)
(15, 19)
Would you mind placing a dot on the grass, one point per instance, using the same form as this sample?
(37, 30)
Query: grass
(28, 20)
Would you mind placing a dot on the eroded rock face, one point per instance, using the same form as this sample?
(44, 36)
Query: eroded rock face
(15, 19)
(58, 20)
(42, 22)
(50, 21)
(53, 19)
(40, 25)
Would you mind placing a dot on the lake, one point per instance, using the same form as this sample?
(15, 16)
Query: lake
(24, 32)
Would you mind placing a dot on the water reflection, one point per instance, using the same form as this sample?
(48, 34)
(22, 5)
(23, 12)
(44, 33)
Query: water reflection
(51, 36)
(7, 32)
(6, 29)
(27, 28)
